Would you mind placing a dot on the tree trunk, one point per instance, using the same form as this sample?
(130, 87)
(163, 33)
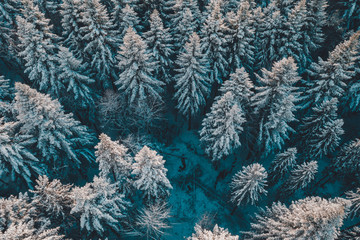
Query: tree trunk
(234, 210)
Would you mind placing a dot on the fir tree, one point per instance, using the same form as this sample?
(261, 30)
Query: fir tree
(275, 103)
(354, 197)
(302, 175)
(99, 205)
(222, 127)
(282, 164)
(217, 233)
(58, 139)
(150, 174)
(309, 218)
(249, 184)
(136, 78)
(124, 17)
(192, 86)
(159, 39)
(348, 158)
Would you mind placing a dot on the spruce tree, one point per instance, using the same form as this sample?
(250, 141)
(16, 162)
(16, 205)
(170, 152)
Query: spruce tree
(216, 233)
(123, 18)
(301, 176)
(282, 164)
(348, 160)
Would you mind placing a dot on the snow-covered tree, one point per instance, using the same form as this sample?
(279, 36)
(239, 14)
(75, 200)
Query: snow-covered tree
(327, 139)
(192, 85)
(222, 126)
(350, 234)
(213, 43)
(124, 17)
(114, 159)
(75, 77)
(302, 175)
(60, 140)
(150, 174)
(52, 197)
(6, 95)
(248, 185)
(136, 78)
(38, 49)
(274, 102)
(348, 160)
(309, 218)
(159, 39)
(354, 197)
(98, 205)
(218, 233)
(152, 221)
(282, 164)
(16, 159)
(241, 36)
(99, 41)
(330, 76)
(182, 25)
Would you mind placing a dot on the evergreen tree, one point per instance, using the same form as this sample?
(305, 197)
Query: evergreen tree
(150, 174)
(309, 218)
(114, 160)
(302, 175)
(330, 76)
(274, 102)
(6, 95)
(249, 184)
(217, 233)
(192, 86)
(136, 78)
(221, 128)
(241, 37)
(327, 139)
(57, 138)
(99, 205)
(213, 43)
(354, 197)
(52, 197)
(124, 17)
(348, 158)
(99, 41)
(75, 77)
(159, 39)
(350, 234)
(282, 164)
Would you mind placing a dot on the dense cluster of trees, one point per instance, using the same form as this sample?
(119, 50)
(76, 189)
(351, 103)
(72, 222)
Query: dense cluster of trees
(264, 77)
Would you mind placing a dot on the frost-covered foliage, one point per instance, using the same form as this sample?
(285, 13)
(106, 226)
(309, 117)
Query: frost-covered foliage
(136, 77)
(222, 127)
(150, 174)
(350, 234)
(8, 11)
(249, 184)
(348, 160)
(309, 218)
(158, 39)
(354, 197)
(302, 175)
(124, 17)
(6, 94)
(151, 222)
(114, 160)
(98, 205)
(218, 233)
(192, 85)
(283, 163)
(274, 102)
(52, 197)
(58, 138)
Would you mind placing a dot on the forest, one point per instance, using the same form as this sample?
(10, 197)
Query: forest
(180, 119)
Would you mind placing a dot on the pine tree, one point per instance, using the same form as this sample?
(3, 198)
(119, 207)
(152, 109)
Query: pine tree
(274, 101)
(99, 205)
(327, 139)
(136, 78)
(38, 50)
(182, 25)
(6, 95)
(302, 175)
(114, 160)
(221, 128)
(350, 234)
(213, 43)
(241, 37)
(354, 197)
(159, 39)
(124, 17)
(99, 41)
(348, 158)
(52, 197)
(282, 164)
(150, 174)
(330, 76)
(249, 184)
(192, 86)
(57, 138)
(309, 218)
(75, 77)
(217, 233)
